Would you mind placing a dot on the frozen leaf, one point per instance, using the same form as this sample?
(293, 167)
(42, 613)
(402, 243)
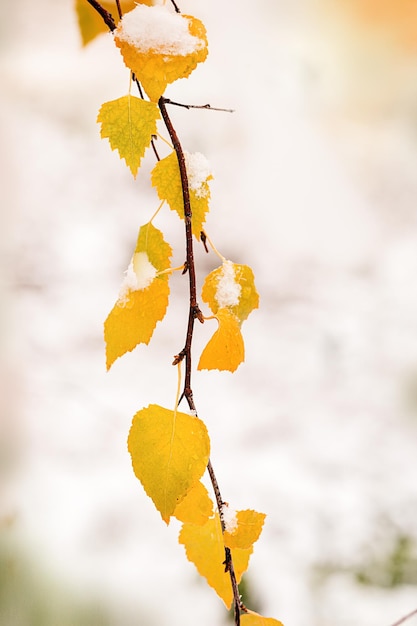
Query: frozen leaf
(167, 180)
(196, 507)
(160, 46)
(170, 452)
(232, 286)
(254, 619)
(246, 530)
(204, 547)
(143, 297)
(91, 23)
(225, 350)
(129, 123)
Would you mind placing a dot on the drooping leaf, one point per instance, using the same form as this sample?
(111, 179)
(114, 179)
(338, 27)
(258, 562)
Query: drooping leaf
(245, 529)
(166, 178)
(204, 547)
(129, 123)
(233, 286)
(169, 451)
(160, 46)
(254, 619)
(225, 350)
(197, 507)
(143, 297)
(91, 23)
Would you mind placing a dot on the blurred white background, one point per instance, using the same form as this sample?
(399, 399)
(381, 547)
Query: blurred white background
(315, 188)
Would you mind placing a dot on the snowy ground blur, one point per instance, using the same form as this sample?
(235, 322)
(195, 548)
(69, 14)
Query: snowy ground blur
(315, 187)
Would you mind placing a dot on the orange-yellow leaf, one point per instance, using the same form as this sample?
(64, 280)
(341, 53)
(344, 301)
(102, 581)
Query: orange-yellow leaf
(232, 286)
(204, 547)
(129, 123)
(91, 23)
(196, 507)
(225, 350)
(166, 178)
(143, 297)
(169, 451)
(243, 529)
(160, 46)
(254, 619)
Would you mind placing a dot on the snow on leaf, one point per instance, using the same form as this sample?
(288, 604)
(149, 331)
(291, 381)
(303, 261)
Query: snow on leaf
(247, 529)
(143, 296)
(167, 180)
(169, 451)
(129, 123)
(204, 547)
(225, 350)
(197, 507)
(160, 46)
(91, 23)
(232, 286)
(254, 619)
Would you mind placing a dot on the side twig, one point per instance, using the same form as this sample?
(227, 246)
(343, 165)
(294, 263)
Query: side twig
(197, 106)
(107, 17)
(405, 618)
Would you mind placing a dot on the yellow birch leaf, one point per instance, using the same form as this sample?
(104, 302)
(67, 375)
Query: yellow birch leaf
(166, 178)
(243, 529)
(170, 452)
(254, 619)
(129, 123)
(225, 350)
(197, 507)
(160, 46)
(143, 297)
(204, 547)
(232, 286)
(91, 23)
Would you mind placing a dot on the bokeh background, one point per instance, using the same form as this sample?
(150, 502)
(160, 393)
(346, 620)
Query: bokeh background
(315, 187)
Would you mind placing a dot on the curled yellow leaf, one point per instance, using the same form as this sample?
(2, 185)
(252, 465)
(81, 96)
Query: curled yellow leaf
(170, 452)
(166, 178)
(160, 46)
(254, 619)
(204, 547)
(232, 286)
(143, 297)
(197, 506)
(243, 528)
(225, 350)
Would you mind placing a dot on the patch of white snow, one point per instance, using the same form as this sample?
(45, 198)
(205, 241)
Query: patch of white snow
(139, 274)
(228, 290)
(229, 517)
(198, 171)
(158, 29)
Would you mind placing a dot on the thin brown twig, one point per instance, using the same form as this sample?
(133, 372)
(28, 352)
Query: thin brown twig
(176, 7)
(198, 106)
(405, 618)
(119, 9)
(107, 17)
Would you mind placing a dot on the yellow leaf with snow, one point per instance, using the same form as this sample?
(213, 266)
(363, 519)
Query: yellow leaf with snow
(231, 286)
(166, 178)
(143, 297)
(170, 452)
(204, 547)
(196, 507)
(244, 529)
(160, 46)
(254, 619)
(225, 350)
(129, 123)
